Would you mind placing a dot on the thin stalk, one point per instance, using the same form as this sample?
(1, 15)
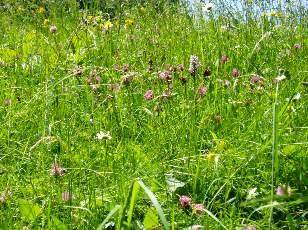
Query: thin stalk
(274, 153)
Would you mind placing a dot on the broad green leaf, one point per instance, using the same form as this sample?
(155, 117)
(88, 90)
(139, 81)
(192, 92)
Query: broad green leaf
(151, 219)
(58, 224)
(28, 210)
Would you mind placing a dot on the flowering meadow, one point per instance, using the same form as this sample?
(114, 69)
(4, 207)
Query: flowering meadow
(148, 115)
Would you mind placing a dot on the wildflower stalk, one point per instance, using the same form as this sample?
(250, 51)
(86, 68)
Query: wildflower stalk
(274, 153)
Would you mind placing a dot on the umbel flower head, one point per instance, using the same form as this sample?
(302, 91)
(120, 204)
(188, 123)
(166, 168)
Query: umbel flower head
(194, 64)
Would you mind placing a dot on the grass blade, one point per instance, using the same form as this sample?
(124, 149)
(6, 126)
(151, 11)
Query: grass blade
(155, 204)
(108, 217)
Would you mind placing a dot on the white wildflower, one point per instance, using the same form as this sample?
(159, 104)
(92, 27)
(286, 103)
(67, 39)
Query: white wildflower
(252, 193)
(102, 135)
(208, 7)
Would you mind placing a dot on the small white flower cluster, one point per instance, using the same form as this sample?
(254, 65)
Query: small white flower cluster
(103, 136)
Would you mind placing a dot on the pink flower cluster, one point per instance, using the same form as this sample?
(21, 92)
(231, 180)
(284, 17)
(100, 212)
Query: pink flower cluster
(186, 202)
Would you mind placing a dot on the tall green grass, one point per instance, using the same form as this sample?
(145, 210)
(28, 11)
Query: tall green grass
(218, 149)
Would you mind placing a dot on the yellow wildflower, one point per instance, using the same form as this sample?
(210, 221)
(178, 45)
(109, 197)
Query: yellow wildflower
(108, 25)
(211, 156)
(41, 10)
(46, 22)
(128, 23)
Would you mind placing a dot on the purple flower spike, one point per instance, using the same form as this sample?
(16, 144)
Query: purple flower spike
(194, 64)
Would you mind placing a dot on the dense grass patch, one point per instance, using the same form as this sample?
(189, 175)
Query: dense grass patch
(133, 116)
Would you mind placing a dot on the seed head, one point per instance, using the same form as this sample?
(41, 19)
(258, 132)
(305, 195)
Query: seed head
(207, 72)
(180, 67)
(126, 68)
(66, 196)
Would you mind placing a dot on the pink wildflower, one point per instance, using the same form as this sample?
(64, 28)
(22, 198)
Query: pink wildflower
(148, 95)
(185, 201)
(202, 90)
(297, 46)
(226, 83)
(53, 29)
(126, 68)
(180, 67)
(235, 73)
(224, 58)
(57, 170)
(199, 208)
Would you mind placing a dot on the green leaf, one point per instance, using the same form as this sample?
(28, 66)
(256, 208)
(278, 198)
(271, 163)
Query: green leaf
(155, 204)
(28, 210)
(151, 219)
(58, 224)
(111, 214)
